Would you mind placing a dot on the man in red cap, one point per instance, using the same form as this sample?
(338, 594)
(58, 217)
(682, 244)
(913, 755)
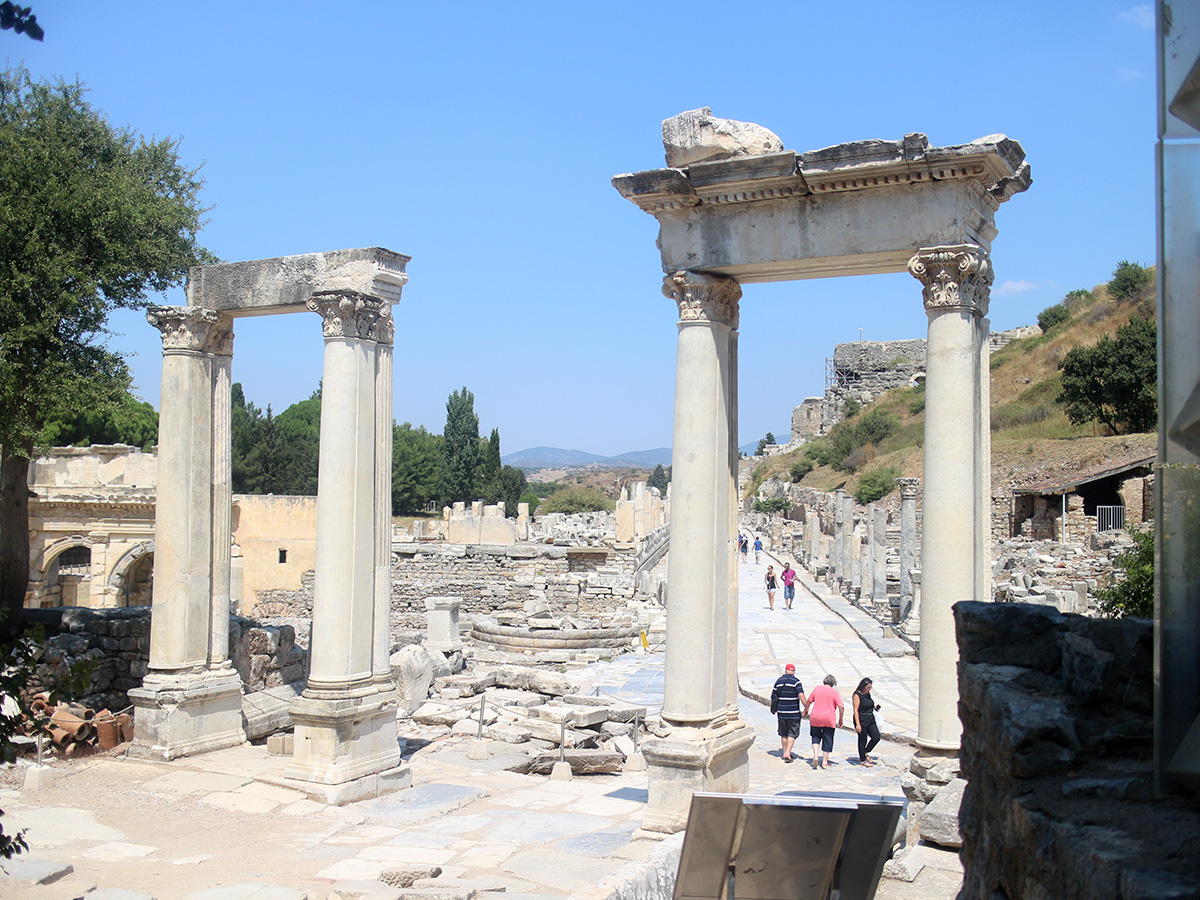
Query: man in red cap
(787, 702)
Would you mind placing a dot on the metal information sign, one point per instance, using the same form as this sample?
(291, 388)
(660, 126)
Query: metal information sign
(791, 846)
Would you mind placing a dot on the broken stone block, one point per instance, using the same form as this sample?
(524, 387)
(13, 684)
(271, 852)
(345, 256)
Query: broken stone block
(578, 716)
(582, 762)
(906, 865)
(939, 822)
(529, 679)
(406, 877)
(509, 734)
(699, 136)
(433, 713)
(281, 744)
(412, 671)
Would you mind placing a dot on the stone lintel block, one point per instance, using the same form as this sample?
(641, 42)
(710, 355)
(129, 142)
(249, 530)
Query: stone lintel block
(285, 283)
(580, 717)
(188, 713)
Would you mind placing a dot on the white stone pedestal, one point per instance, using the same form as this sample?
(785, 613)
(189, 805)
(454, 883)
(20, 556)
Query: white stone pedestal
(184, 713)
(690, 760)
(441, 623)
(346, 749)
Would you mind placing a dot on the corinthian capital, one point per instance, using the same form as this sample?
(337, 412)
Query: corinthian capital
(908, 487)
(702, 297)
(954, 277)
(192, 328)
(349, 314)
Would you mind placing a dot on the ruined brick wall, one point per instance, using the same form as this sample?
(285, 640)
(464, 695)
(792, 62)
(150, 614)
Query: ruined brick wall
(118, 643)
(1057, 729)
(863, 370)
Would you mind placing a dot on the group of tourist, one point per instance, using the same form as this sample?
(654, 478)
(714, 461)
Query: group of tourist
(825, 711)
(744, 547)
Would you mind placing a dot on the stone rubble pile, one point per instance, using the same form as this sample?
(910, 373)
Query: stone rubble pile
(1048, 573)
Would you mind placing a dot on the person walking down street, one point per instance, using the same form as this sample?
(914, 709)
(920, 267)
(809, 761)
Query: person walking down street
(787, 696)
(864, 721)
(825, 712)
(757, 549)
(744, 546)
(771, 586)
(788, 577)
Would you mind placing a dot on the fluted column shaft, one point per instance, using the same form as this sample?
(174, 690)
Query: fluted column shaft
(181, 621)
(956, 282)
(222, 496)
(383, 502)
(343, 648)
(700, 642)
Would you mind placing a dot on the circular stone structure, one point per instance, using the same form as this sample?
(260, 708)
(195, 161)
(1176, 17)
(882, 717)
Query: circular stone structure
(531, 640)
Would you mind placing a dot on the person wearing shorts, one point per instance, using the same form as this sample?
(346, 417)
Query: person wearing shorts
(772, 586)
(825, 712)
(757, 549)
(787, 698)
(788, 577)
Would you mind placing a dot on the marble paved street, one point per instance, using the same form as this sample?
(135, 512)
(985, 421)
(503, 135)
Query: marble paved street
(215, 827)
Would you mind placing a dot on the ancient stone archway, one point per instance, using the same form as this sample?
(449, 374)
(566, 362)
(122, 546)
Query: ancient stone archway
(734, 207)
(191, 699)
(131, 578)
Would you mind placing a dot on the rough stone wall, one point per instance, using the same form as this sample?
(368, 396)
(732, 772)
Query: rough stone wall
(863, 370)
(118, 641)
(1057, 730)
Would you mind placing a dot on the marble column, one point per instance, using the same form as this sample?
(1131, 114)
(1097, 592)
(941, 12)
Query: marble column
(836, 566)
(879, 556)
(381, 666)
(983, 450)
(346, 746)
(846, 551)
(701, 746)
(222, 496)
(908, 544)
(190, 701)
(956, 282)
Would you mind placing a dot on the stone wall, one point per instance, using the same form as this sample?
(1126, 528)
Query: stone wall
(863, 370)
(1057, 738)
(118, 640)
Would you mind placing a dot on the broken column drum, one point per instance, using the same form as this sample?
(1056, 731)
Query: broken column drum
(732, 204)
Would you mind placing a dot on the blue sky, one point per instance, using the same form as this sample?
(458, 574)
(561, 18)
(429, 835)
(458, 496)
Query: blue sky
(480, 139)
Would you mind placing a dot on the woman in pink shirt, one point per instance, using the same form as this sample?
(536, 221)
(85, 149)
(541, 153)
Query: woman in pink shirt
(825, 711)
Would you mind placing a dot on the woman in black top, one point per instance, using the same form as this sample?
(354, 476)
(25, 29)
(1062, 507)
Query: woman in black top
(864, 721)
(771, 586)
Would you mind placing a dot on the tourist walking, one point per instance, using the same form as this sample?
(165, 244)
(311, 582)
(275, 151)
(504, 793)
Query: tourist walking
(744, 546)
(771, 586)
(825, 712)
(757, 548)
(787, 696)
(864, 721)
(788, 577)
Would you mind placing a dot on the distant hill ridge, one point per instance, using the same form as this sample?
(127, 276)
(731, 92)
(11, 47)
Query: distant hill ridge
(558, 458)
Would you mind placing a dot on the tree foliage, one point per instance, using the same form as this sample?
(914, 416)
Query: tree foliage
(1133, 594)
(876, 484)
(92, 218)
(768, 438)
(275, 454)
(460, 450)
(840, 449)
(125, 420)
(574, 499)
(774, 505)
(1051, 316)
(416, 458)
(1129, 280)
(1115, 380)
(510, 485)
(659, 479)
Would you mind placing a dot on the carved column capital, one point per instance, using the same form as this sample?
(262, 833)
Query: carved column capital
(706, 298)
(193, 329)
(908, 487)
(350, 314)
(958, 276)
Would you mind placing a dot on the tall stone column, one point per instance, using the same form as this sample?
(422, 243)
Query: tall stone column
(956, 282)
(983, 450)
(879, 556)
(346, 746)
(384, 338)
(846, 551)
(222, 495)
(701, 746)
(908, 548)
(836, 565)
(189, 702)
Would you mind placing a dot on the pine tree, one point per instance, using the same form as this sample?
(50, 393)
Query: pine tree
(460, 450)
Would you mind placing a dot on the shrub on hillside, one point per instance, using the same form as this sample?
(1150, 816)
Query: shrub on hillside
(574, 499)
(1051, 316)
(1115, 380)
(778, 504)
(1129, 280)
(1133, 595)
(800, 468)
(845, 438)
(850, 408)
(876, 484)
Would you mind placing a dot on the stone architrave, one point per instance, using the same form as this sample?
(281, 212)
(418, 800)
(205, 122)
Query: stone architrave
(702, 745)
(190, 701)
(956, 283)
(441, 625)
(879, 555)
(346, 717)
(909, 540)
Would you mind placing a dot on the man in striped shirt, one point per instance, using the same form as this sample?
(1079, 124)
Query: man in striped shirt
(787, 702)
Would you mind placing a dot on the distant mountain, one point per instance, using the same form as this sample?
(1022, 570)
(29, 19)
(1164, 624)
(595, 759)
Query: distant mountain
(781, 437)
(557, 458)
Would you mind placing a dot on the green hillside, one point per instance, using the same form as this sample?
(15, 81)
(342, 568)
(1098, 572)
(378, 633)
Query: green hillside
(1030, 428)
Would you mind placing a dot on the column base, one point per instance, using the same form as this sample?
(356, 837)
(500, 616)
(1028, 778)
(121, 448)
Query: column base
(689, 760)
(347, 749)
(184, 714)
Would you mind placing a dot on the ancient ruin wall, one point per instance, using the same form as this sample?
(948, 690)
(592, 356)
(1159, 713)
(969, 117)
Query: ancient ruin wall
(1057, 730)
(863, 370)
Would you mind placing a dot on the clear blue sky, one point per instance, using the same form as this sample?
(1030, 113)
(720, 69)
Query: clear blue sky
(480, 138)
